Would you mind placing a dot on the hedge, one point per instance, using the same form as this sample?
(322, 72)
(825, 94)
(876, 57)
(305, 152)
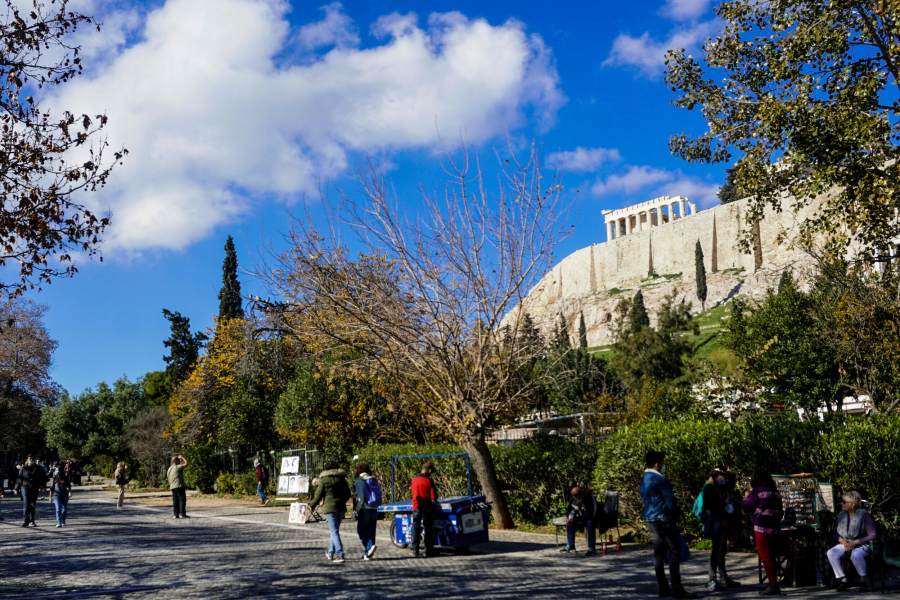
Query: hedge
(860, 454)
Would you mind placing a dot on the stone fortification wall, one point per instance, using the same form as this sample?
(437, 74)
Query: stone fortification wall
(661, 260)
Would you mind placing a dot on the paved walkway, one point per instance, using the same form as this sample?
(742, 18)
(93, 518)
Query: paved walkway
(234, 552)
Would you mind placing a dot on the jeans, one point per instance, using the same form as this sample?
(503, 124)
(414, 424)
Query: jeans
(765, 547)
(367, 520)
(335, 547)
(590, 530)
(262, 494)
(717, 556)
(857, 557)
(423, 517)
(29, 502)
(179, 501)
(664, 536)
(62, 507)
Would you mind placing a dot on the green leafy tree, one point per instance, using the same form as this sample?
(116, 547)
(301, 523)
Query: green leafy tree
(701, 275)
(230, 295)
(729, 192)
(642, 351)
(805, 94)
(157, 388)
(782, 350)
(582, 332)
(184, 347)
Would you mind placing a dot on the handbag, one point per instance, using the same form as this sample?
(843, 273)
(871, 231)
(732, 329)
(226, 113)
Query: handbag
(684, 553)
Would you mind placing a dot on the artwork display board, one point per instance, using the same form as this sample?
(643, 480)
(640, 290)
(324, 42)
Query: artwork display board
(798, 494)
(299, 513)
(298, 484)
(825, 500)
(290, 464)
(283, 483)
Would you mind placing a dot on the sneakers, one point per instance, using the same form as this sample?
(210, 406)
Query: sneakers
(328, 556)
(713, 586)
(338, 560)
(59, 524)
(371, 551)
(364, 557)
(566, 549)
(844, 586)
(185, 517)
(24, 524)
(176, 517)
(590, 552)
(732, 584)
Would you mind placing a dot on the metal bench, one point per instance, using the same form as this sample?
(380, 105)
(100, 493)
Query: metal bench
(610, 507)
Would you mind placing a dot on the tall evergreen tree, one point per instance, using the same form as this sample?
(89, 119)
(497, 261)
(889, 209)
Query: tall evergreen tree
(184, 347)
(230, 294)
(639, 316)
(786, 280)
(582, 332)
(562, 334)
(701, 275)
(729, 192)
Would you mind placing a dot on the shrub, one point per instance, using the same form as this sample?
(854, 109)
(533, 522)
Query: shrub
(203, 468)
(225, 483)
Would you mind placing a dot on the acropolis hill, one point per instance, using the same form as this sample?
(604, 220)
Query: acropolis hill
(651, 246)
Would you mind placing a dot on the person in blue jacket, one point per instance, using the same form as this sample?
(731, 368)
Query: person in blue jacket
(661, 515)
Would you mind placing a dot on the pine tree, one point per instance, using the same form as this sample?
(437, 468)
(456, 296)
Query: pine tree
(230, 294)
(639, 316)
(729, 192)
(184, 348)
(701, 275)
(582, 332)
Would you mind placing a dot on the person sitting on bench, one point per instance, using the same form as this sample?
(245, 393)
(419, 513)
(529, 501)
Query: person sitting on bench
(583, 511)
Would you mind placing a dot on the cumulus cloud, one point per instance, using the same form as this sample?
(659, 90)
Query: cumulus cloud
(215, 118)
(583, 159)
(647, 55)
(684, 10)
(657, 182)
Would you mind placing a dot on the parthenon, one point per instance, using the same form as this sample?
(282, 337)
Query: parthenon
(646, 215)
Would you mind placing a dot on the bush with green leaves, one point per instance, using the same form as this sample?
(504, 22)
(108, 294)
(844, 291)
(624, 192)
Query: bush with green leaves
(854, 453)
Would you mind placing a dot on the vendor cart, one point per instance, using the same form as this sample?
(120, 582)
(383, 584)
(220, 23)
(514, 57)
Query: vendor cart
(459, 521)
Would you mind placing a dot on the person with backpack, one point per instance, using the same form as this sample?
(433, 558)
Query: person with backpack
(661, 515)
(714, 508)
(333, 488)
(368, 499)
(122, 480)
(262, 482)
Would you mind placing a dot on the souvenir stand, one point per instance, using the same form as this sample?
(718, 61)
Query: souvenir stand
(291, 485)
(805, 500)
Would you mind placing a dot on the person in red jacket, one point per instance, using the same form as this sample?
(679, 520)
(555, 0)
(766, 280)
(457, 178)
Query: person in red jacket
(423, 499)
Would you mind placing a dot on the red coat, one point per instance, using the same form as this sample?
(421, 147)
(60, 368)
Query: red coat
(422, 492)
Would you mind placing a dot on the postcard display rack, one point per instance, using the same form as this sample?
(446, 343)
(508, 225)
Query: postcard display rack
(804, 498)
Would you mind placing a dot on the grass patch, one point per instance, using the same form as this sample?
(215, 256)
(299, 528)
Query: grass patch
(614, 291)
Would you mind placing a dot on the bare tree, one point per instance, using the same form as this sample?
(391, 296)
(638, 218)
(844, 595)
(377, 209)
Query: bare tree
(434, 301)
(148, 444)
(26, 356)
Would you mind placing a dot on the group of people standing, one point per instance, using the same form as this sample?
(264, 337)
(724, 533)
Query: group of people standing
(716, 509)
(30, 481)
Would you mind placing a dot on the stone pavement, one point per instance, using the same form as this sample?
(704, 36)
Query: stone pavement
(141, 552)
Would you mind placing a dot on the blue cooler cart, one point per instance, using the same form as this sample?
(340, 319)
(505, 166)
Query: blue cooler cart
(459, 521)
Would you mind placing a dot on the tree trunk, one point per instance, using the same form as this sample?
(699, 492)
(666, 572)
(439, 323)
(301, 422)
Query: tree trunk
(483, 464)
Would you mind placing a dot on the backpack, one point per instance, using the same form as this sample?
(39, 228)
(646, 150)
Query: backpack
(700, 513)
(372, 492)
(263, 476)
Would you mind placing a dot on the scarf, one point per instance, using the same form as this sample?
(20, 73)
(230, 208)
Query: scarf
(852, 529)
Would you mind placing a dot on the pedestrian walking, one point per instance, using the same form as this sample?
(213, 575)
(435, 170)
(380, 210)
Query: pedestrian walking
(368, 499)
(30, 480)
(335, 491)
(765, 507)
(661, 514)
(43, 467)
(60, 492)
(175, 474)
(262, 481)
(717, 509)
(423, 499)
(122, 480)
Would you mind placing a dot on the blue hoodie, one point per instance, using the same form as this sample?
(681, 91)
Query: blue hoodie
(659, 499)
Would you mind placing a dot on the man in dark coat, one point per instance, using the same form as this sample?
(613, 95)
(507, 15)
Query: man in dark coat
(583, 511)
(31, 479)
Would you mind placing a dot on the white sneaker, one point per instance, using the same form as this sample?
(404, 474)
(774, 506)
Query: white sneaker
(59, 524)
(371, 552)
(328, 556)
(338, 560)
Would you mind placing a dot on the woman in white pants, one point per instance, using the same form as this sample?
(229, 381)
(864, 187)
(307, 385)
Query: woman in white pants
(854, 529)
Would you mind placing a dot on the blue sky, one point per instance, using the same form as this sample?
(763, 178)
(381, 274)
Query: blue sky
(234, 109)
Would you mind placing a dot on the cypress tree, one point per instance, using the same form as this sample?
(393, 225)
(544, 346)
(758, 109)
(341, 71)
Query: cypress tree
(562, 334)
(184, 348)
(729, 192)
(786, 281)
(639, 316)
(582, 332)
(230, 294)
(701, 275)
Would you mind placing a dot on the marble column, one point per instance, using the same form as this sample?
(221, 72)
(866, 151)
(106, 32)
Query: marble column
(681, 209)
(694, 210)
(630, 219)
(672, 211)
(612, 230)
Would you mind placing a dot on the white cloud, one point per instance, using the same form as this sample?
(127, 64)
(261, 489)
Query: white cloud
(662, 183)
(214, 119)
(583, 159)
(336, 29)
(636, 178)
(684, 10)
(648, 55)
